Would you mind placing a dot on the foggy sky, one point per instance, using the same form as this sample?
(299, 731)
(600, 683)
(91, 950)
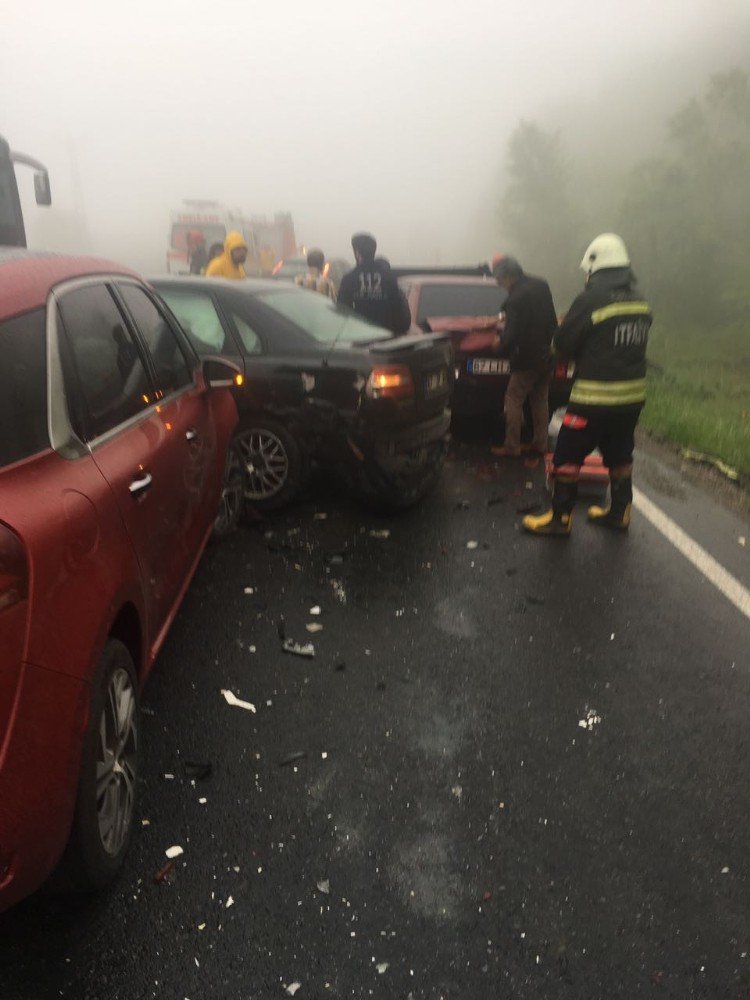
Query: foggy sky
(390, 116)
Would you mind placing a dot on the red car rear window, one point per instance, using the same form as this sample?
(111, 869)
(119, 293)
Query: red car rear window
(23, 387)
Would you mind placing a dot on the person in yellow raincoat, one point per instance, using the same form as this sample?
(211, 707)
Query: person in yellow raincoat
(231, 263)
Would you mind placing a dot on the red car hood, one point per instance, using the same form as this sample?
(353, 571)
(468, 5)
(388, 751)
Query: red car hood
(468, 333)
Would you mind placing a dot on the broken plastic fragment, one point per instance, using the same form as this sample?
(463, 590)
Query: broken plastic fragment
(296, 649)
(229, 902)
(324, 886)
(249, 590)
(202, 801)
(314, 627)
(472, 545)
(382, 967)
(380, 533)
(231, 699)
(320, 516)
(145, 822)
(174, 852)
(292, 988)
(315, 610)
(725, 870)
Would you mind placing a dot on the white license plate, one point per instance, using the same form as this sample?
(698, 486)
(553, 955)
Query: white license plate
(488, 366)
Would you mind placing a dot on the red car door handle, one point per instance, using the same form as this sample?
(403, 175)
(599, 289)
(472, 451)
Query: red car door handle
(191, 435)
(138, 486)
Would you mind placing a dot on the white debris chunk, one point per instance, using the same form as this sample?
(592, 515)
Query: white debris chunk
(229, 902)
(742, 541)
(725, 870)
(380, 533)
(231, 699)
(169, 777)
(314, 627)
(457, 791)
(249, 590)
(292, 988)
(382, 967)
(174, 852)
(202, 801)
(472, 545)
(592, 719)
(315, 610)
(324, 886)
(145, 822)
(201, 927)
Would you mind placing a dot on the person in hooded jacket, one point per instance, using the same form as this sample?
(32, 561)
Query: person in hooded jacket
(606, 334)
(230, 264)
(371, 288)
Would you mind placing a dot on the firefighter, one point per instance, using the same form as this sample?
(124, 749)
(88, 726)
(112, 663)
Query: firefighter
(315, 278)
(605, 333)
(197, 255)
(230, 264)
(530, 321)
(371, 289)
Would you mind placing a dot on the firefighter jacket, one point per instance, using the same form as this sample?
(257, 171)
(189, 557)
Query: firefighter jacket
(372, 290)
(605, 333)
(530, 321)
(223, 266)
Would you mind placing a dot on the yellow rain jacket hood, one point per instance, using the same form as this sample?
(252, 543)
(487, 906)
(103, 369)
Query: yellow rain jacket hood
(223, 266)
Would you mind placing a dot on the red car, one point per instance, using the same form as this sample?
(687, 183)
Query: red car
(113, 463)
(468, 303)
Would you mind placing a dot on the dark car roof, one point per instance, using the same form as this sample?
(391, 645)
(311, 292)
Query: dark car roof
(247, 285)
(26, 277)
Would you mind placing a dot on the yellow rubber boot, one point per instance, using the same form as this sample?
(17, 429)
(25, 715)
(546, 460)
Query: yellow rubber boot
(617, 515)
(558, 520)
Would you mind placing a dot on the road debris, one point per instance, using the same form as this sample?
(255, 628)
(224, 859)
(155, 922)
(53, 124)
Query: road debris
(292, 988)
(293, 758)
(249, 590)
(324, 886)
(703, 459)
(472, 545)
(380, 532)
(174, 852)
(382, 967)
(163, 874)
(725, 870)
(742, 541)
(231, 699)
(145, 822)
(320, 515)
(229, 902)
(457, 791)
(296, 649)
(314, 627)
(338, 590)
(592, 719)
(315, 611)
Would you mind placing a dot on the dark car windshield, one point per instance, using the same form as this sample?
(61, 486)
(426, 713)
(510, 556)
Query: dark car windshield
(321, 319)
(460, 300)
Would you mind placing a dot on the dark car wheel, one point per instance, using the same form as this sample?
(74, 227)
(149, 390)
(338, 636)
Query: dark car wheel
(232, 500)
(105, 806)
(272, 461)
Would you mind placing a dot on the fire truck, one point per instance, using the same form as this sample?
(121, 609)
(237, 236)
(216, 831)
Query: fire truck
(268, 240)
(12, 231)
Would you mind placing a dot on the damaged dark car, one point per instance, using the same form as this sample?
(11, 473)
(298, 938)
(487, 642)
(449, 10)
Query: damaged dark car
(322, 387)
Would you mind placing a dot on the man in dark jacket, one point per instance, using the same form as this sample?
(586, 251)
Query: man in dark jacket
(605, 333)
(371, 289)
(530, 322)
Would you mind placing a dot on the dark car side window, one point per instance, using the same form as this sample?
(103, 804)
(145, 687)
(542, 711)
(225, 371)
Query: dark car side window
(171, 367)
(199, 319)
(23, 387)
(107, 363)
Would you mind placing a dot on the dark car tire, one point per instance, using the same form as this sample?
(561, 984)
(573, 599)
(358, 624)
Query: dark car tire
(389, 496)
(232, 502)
(263, 439)
(90, 863)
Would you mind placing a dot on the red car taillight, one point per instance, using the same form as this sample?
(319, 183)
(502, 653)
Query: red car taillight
(390, 382)
(14, 573)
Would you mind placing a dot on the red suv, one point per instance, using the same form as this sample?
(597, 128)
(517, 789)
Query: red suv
(112, 465)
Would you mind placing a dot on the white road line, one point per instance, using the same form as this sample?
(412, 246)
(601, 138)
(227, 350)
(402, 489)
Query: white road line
(729, 585)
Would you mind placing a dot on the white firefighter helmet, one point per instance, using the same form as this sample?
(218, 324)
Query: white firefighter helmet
(607, 250)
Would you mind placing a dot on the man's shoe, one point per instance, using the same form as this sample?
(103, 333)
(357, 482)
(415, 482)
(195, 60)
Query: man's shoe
(608, 518)
(549, 523)
(503, 452)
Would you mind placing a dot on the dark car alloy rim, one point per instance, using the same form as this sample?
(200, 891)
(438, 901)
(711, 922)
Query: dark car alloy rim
(231, 491)
(266, 463)
(116, 762)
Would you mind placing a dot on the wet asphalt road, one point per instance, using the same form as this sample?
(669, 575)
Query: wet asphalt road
(525, 770)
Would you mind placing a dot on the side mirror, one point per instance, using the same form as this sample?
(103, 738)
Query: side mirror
(42, 188)
(219, 373)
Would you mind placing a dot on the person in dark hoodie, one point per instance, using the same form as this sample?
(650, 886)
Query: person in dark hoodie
(605, 333)
(372, 290)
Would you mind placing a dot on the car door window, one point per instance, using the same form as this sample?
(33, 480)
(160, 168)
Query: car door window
(250, 339)
(171, 367)
(23, 387)
(106, 362)
(199, 319)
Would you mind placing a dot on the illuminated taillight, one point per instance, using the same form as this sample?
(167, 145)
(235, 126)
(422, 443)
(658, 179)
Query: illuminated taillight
(390, 382)
(14, 574)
